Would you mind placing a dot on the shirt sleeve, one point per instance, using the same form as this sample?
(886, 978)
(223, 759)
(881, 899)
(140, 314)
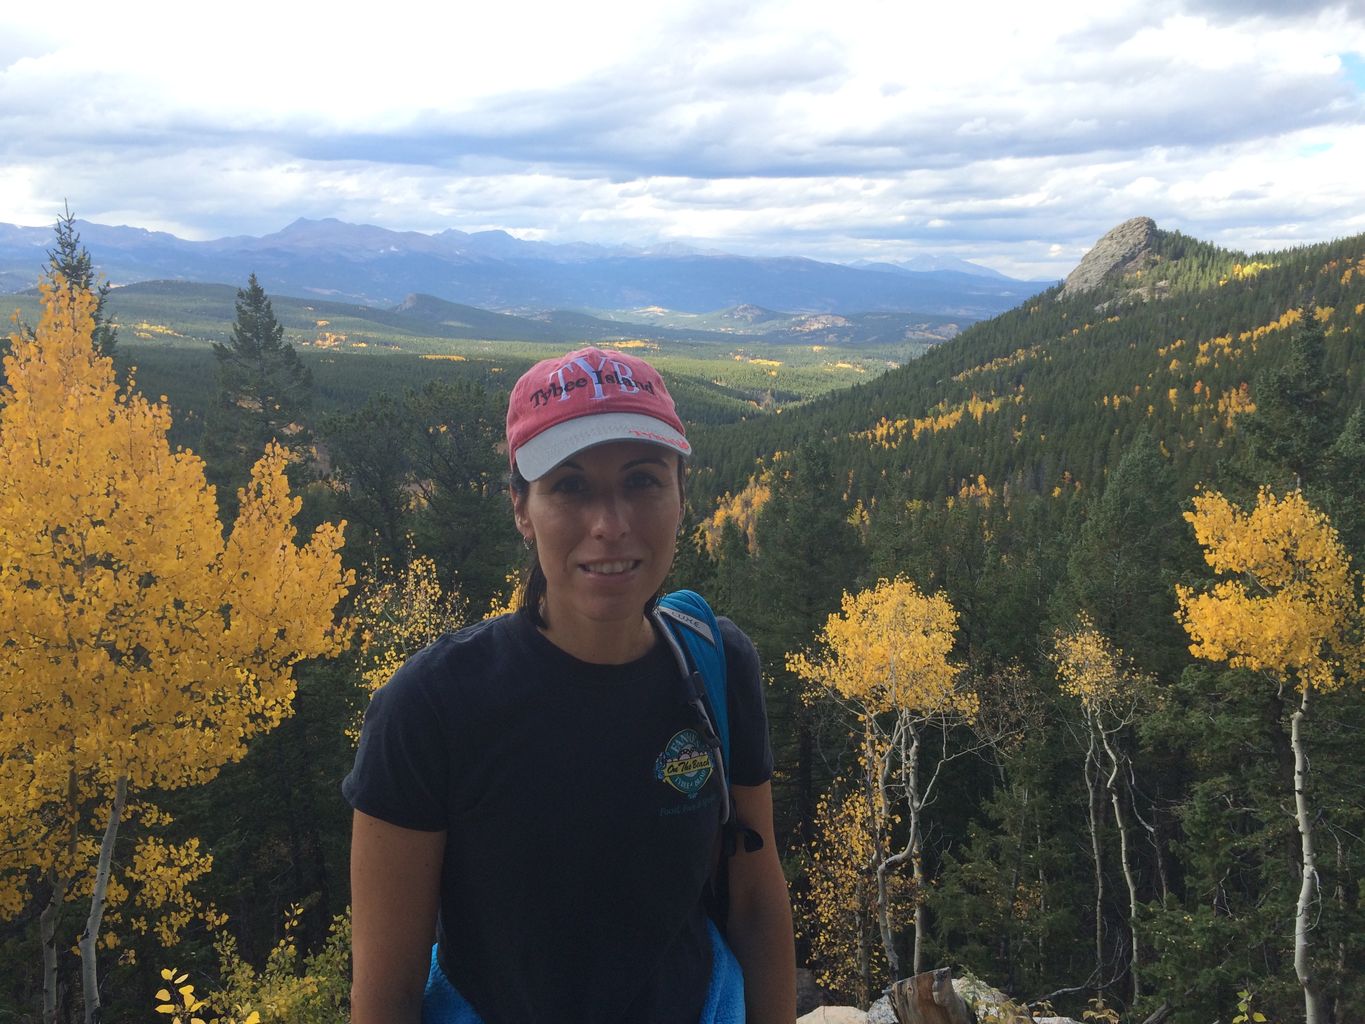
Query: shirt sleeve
(751, 755)
(402, 768)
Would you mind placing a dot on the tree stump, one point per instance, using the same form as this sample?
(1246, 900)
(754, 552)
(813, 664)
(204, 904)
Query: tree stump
(929, 998)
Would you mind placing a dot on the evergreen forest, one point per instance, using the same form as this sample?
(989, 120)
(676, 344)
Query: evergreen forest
(1061, 624)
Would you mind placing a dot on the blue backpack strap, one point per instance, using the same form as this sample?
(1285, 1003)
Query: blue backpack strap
(690, 627)
(693, 622)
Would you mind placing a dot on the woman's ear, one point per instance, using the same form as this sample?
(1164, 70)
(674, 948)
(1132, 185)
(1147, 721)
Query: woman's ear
(520, 518)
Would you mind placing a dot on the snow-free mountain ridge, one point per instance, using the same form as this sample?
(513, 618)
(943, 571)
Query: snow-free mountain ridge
(493, 270)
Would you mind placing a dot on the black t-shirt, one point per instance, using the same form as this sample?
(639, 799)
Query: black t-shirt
(581, 825)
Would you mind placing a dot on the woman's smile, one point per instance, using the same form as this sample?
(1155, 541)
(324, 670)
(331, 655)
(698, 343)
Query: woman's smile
(610, 568)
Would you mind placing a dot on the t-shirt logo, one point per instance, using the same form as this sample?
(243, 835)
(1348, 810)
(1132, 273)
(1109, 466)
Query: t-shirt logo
(685, 763)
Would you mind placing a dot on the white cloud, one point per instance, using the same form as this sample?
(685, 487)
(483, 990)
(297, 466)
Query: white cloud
(873, 128)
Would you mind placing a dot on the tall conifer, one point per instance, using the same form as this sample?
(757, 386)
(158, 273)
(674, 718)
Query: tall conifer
(264, 392)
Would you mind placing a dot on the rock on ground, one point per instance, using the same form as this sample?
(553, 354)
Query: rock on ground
(989, 1004)
(834, 1015)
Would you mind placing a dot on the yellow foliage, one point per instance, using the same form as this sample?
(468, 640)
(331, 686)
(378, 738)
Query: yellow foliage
(976, 491)
(885, 433)
(1245, 271)
(505, 602)
(1013, 359)
(1235, 402)
(400, 615)
(143, 329)
(1089, 666)
(1285, 602)
(742, 509)
(888, 650)
(140, 641)
(837, 912)
(288, 989)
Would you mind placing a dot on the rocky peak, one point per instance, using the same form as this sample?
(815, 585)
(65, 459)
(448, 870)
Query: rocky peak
(1126, 248)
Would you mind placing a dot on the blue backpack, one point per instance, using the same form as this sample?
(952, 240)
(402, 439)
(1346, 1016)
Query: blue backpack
(689, 626)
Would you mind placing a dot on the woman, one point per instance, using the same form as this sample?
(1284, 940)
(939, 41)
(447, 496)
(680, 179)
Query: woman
(508, 794)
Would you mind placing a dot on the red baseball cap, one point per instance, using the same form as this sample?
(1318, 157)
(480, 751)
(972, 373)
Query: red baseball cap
(590, 396)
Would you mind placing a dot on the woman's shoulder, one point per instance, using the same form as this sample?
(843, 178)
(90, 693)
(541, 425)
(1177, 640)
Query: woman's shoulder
(453, 656)
(736, 641)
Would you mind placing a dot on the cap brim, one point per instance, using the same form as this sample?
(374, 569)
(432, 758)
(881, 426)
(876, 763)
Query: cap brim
(550, 447)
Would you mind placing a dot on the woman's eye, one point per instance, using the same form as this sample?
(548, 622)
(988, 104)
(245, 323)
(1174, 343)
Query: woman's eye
(642, 480)
(569, 485)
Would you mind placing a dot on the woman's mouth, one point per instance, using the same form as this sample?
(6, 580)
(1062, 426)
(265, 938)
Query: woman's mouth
(614, 568)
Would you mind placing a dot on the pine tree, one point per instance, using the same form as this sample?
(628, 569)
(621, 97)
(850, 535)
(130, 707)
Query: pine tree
(264, 392)
(807, 555)
(73, 261)
(1294, 423)
(1131, 544)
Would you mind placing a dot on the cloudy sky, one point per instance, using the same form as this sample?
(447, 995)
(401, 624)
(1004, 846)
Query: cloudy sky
(1012, 134)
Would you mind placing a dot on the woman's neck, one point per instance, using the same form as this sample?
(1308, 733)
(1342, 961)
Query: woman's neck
(599, 643)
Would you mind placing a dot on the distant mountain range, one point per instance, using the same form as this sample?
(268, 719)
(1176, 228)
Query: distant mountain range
(329, 259)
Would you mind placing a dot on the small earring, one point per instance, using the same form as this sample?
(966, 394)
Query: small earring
(530, 543)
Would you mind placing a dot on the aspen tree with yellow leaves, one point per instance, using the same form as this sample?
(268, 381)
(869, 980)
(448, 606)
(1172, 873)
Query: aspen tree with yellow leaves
(1110, 693)
(1286, 605)
(884, 657)
(839, 914)
(402, 614)
(143, 645)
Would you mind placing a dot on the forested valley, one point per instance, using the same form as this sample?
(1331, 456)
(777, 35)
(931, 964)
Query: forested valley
(1062, 625)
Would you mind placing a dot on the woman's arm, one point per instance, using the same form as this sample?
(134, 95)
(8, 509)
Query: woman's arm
(759, 928)
(395, 894)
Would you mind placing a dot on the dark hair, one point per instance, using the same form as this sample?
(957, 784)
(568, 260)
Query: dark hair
(533, 583)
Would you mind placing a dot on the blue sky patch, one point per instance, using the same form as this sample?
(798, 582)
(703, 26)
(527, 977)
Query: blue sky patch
(1353, 64)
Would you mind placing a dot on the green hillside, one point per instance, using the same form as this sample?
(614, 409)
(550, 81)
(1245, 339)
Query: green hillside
(1059, 387)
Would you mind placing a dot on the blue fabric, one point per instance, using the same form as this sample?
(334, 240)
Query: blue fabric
(442, 1004)
(725, 999)
(708, 657)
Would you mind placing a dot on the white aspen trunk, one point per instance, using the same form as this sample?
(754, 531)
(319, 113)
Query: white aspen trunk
(89, 943)
(916, 853)
(1120, 822)
(51, 915)
(1153, 837)
(878, 769)
(47, 928)
(864, 960)
(1315, 1010)
(1092, 808)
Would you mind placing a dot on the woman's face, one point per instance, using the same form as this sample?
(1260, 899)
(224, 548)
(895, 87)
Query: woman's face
(605, 524)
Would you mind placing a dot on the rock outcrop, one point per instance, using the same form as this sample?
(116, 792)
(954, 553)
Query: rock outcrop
(834, 1015)
(1126, 248)
(986, 1003)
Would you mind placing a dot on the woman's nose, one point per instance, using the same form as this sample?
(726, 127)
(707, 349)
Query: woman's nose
(609, 516)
